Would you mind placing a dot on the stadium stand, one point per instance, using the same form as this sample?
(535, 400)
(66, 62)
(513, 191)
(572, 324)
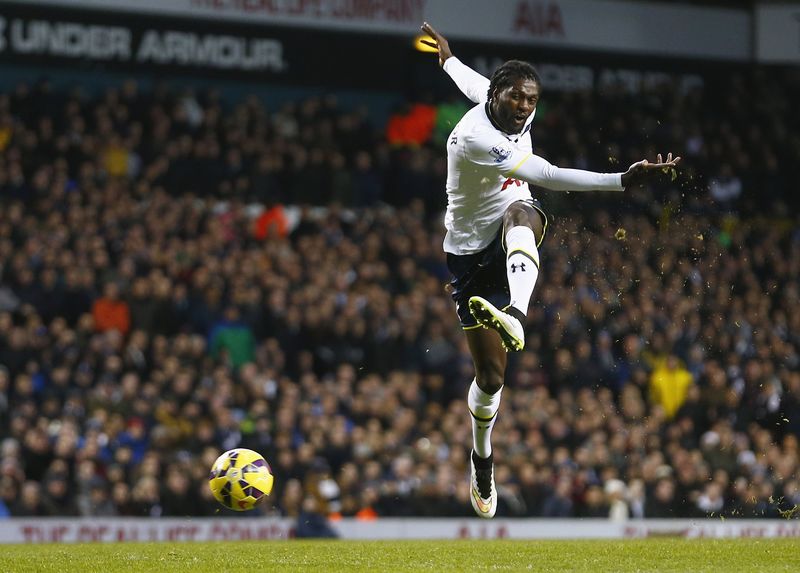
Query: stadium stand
(183, 275)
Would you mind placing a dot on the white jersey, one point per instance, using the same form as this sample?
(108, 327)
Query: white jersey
(477, 195)
(477, 191)
(482, 162)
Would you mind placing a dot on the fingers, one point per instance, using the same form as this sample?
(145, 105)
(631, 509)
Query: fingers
(670, 162)
(428, 29)
(430, 43)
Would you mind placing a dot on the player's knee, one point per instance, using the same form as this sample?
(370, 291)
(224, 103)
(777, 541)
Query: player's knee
(489, 378)
(520, 214)
(517, 215)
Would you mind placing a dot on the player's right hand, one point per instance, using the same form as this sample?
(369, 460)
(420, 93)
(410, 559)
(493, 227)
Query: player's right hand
(439, 42)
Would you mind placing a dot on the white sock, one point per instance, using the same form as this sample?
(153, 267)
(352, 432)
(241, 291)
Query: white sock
(483, 409)
(522, 265)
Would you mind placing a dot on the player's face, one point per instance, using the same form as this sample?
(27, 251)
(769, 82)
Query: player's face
(514, 104)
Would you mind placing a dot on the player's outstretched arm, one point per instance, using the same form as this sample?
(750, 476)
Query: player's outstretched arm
(471, 83)
(538, 171)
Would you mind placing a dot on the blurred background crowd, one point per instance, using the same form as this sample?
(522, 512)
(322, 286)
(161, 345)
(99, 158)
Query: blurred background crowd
(181, 275)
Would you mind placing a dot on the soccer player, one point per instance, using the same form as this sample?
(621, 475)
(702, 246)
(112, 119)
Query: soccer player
(494, 228)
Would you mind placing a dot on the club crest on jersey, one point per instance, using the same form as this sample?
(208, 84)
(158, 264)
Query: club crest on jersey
(499, 153)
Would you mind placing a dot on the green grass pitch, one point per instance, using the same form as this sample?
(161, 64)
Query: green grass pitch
(646, 555)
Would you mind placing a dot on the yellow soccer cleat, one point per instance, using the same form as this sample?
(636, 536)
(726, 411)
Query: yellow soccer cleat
(507, 325)
(483, 494)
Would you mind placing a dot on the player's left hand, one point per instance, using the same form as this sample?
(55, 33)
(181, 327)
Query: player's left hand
(438, 41)
(643, 171)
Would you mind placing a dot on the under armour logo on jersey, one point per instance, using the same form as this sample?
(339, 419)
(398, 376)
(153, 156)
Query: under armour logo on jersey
(515, 266)
(454, 140)
(509, 181)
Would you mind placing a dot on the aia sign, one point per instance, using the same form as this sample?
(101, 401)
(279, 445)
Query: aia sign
(542, 19)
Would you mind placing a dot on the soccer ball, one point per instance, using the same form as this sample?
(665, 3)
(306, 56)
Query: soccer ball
(240, 478)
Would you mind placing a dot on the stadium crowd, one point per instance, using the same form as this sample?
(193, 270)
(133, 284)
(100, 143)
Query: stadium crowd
(180, 276)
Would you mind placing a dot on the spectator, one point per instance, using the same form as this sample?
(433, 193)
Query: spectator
(559, 502)
(311, 523)
(58, 499)
(412, 125)
(594, 502)
(232, 338)
(366, 183)
(121, 498)
(8, 492)
(146, 499)
(448, 114)
(710, 501)
(271, 224)
(636, 498)
(110, 312)
(617, 493)
(133, 439)
(97, 503)
(30, 502)
(669, 385)
(662, 502)
(179, 500)
(726, 188)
